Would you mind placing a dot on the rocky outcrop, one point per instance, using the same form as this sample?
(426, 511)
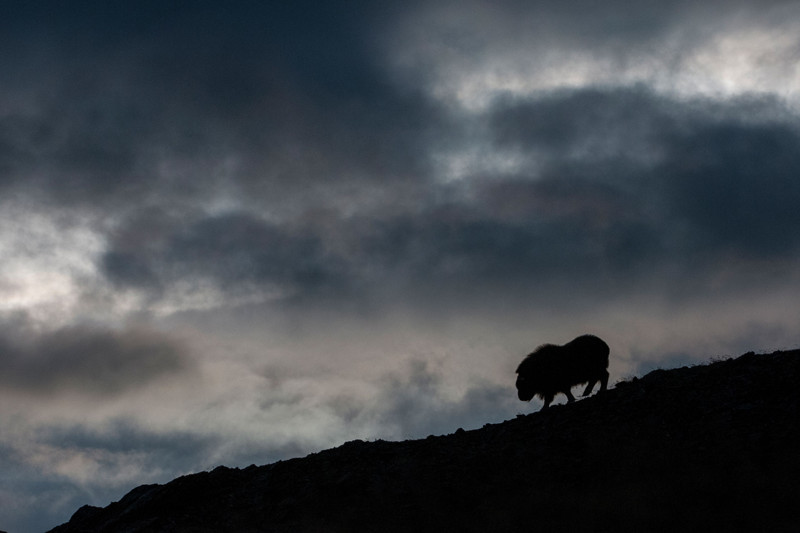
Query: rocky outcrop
(710, 447)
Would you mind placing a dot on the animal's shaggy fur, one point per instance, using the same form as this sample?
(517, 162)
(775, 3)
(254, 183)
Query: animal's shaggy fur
(552, 369)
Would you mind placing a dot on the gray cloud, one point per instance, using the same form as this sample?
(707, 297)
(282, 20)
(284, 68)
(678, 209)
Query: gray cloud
(411, 404)
(87, 360)
(415, 406)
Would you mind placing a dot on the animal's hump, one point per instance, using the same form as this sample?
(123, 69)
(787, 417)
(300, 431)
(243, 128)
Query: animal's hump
(535, 357)
(587, 339)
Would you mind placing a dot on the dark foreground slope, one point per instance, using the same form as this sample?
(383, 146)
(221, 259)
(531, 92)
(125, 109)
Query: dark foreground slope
(709, 448)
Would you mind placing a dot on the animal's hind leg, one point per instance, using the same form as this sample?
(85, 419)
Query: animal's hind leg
(570, 397)
(604, 381)
(603, 384)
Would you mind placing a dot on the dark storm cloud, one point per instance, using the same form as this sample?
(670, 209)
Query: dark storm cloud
(501, 229)
(469, 247)
(180, 449)
(145, 105)
(141, 102)
(584, 124)
(615, 186)
(515, 28)
(721, 175)
(231, 251)
(86, 360)
(147, 102)
(737, 185)
(448, 248)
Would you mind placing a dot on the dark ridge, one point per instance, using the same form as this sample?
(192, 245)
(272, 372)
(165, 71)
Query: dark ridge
(701, 448)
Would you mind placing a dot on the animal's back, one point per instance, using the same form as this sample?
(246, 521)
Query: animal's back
(589, 350)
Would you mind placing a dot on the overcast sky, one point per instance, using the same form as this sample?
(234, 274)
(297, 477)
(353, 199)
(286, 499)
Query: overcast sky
(238, 232)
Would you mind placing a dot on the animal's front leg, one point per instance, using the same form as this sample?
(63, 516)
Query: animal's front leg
(570, 397)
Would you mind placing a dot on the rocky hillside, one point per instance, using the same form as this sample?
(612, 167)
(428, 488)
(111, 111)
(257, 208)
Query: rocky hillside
(703, 448)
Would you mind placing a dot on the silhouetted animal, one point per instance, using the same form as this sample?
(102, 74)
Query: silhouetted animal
(552, 369)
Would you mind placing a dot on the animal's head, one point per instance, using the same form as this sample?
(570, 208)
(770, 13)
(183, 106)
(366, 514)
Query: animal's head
(525, 388)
